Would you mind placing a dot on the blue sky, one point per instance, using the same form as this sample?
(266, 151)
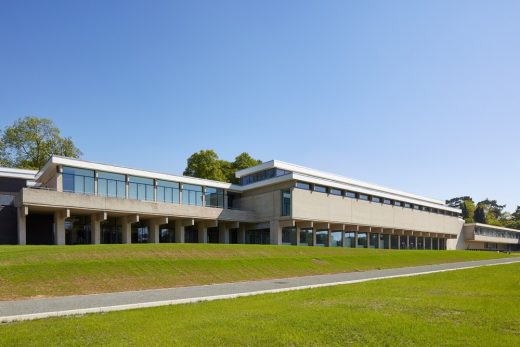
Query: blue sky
(422, 96)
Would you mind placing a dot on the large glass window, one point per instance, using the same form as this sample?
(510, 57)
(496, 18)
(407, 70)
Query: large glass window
(334, 191)
(286, 202)
(214, 197)
(350, 239)
(140, 233)
(167, 191)
(337, 239)
(288, 236)
(351, 195)
(140, 188)
(111, 184)
(77, 230)
(78, 180)
(262, 175)
(320, 189)
(373, 241)
(302, 185)
(322, 237)
(306, 237)
(191, 194)
(363, 197)
(361, 240)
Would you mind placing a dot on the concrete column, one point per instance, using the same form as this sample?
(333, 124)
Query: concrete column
(95, 183)
(242, 234)
(398, 241)
(95, 227)
(275, 232)
(431, 242)
(127, 228)
(298, 230)
(154, 226)
(59, 226)
(225, 199)
(329, 238)
(313, 237)
(343, 238)
(202, 232)
(59, 179)
(154, 232)
(179, 231)
(22, 213)
(355, 240)
(223, 233)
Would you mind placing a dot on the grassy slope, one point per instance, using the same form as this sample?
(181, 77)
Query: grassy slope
(28, 271)
(474, 307)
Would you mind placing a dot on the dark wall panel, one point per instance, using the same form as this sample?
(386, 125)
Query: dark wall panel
(40, 229)
(8, 225)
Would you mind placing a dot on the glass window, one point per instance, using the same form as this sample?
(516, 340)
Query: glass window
(111, 184)
(262, 175)
(288, 236)
(397, 203)
(350, 239)
(140, 188)
(78, 180)
(361, 240)
(302, 185)
(320, 189)
(351, 195)
(168, 191)
(191, 194)
(416, 207)
(286, 202)
(376, 199)
(363, 197)
(214, 197)
(407, 205)
(334, 191)
(337, 239)
(387, 202)
(322, 237)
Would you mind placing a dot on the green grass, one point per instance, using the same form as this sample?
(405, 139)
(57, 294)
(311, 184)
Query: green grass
(473, 307)
(32, 271)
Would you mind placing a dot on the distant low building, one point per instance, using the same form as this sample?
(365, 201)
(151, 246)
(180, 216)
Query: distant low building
(72, 201)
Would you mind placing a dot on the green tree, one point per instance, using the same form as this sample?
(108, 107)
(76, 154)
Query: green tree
(480, 214)
(492, 211)
(205, 164)
(468, 210)
(31, 141)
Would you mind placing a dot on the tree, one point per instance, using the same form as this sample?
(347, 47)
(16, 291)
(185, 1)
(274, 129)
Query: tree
(31, 141)
(492, 211)
(205, 164)
(466, 204)
(480, 215)
(468, 210)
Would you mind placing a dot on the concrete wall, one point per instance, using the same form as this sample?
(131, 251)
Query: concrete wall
(337, 209)
(266, 201)
(73, 201)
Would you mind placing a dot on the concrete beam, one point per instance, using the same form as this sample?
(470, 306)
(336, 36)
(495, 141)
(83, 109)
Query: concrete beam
(351, 227)
(211, 223)
(187, 222)
(233, 225)
(132, 218)
(159, 220)
(288, 223)
(305, 224)
(364, 228)
(337, 227)
(100, 217)
(321, 226)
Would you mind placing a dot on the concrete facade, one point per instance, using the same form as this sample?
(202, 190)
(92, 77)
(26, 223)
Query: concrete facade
(275, 202)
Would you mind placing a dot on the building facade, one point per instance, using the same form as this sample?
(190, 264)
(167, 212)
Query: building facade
(73, 201)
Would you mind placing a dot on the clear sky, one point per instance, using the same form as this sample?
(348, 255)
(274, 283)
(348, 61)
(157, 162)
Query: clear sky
(422, 96)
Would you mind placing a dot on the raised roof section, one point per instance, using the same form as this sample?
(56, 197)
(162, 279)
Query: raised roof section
(342, 182)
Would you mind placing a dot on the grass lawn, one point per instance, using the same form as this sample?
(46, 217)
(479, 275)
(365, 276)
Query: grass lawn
(32, 271)
(473, 307)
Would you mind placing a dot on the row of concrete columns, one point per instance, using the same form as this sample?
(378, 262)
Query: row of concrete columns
(126, 228)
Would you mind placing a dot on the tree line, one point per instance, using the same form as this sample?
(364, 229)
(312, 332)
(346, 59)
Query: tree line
(486, 212)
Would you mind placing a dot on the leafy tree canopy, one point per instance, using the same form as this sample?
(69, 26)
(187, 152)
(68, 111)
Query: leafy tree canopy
(31, 141)
(206, 164)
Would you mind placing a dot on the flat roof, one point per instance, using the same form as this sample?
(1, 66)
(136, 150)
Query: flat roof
(342, 182)
(489, 226)
(18, 173)
(55, 161)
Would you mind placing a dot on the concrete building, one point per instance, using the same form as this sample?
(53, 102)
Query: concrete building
(73, 201)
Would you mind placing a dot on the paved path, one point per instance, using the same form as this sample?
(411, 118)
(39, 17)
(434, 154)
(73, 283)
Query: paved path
(11, 311)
